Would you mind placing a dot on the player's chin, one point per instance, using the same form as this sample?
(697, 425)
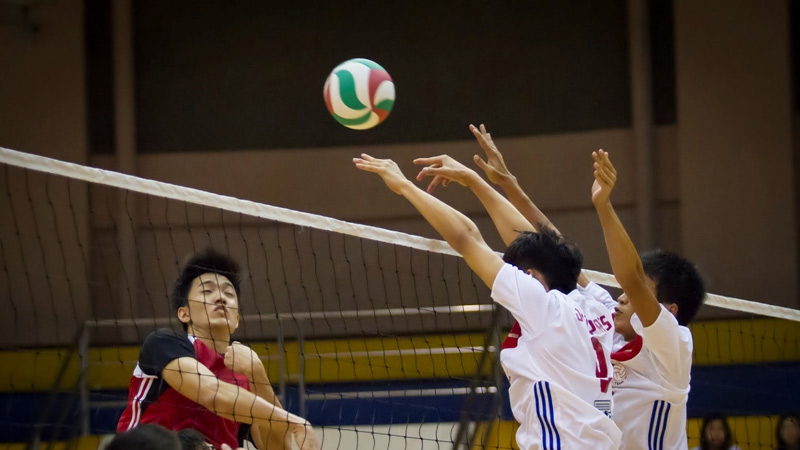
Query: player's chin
(621, 322)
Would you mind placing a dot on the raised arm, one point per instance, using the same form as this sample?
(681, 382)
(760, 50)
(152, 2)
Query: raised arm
(625, 261)
(508, 221)
(195, 381)
(497, 172)
(460, 232)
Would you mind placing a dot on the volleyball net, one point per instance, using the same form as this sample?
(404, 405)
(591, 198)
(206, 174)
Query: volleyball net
(381, 339)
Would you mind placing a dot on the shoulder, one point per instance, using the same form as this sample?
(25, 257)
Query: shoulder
(166, 334)
(165, 338)
(512, 277)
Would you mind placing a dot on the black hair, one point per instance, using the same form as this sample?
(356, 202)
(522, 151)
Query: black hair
(707, 419)
(209, 261)
(192, 439)
(783, 417)
(677, 281)
(146, 437)
(557, 258)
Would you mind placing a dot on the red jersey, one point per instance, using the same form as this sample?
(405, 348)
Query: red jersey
(152, 400)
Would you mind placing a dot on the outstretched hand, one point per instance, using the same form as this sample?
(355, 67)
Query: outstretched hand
(494, 166)
(605, 176)
(386, 168)
(443, 169)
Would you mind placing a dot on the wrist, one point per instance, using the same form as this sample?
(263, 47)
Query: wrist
(472, 179)
(602, 205)
(508, 181)
(406, 187)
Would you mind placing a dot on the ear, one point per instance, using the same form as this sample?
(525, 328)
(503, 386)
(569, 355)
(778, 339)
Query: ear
(539, 277)
(672, 308)
(183, 314)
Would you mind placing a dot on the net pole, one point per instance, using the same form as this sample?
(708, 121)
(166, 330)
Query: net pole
(83, 381)
(281, 364)
(301, 369)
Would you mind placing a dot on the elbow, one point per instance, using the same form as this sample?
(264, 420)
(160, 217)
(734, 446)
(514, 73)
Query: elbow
(464, 238)
(630, 276)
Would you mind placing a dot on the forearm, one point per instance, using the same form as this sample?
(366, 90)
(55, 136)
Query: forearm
(234, 402)
(457, 229)
(625, 262)
(263, 388)
(274, 436)
(506, 216)
(520, 200)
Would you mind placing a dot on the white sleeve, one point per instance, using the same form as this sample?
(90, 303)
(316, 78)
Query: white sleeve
(670, 344)
(597, 292)
(526, 299)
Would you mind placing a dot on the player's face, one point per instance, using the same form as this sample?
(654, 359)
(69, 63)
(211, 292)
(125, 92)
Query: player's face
(624, 311)
(213, 304)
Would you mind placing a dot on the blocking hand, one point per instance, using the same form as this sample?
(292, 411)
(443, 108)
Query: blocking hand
(605, 176)
(385, 168)
(494, 166)
(443, 169)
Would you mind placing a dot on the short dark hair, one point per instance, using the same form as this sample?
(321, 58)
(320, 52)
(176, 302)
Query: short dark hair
(192, 439)
(146, 437)
(677, 281)
(557, 258)
(208, 261)
(707, 419)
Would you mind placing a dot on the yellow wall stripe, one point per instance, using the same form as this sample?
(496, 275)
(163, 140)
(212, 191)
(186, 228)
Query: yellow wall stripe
(350, 360)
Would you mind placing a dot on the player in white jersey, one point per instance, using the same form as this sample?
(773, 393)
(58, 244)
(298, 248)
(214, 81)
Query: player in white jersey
(650, 414)
(553, 366)
(597, 312)
(662, 293)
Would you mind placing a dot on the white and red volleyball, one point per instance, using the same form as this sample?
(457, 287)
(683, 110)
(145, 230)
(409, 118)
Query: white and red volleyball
(359, 93)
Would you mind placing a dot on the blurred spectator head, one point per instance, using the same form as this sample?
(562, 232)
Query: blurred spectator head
(788, 431)
(715, 434)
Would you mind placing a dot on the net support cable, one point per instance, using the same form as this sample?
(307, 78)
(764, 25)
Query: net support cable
(302, 219)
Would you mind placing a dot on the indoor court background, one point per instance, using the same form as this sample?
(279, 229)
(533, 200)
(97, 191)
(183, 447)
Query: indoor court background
(227, 98)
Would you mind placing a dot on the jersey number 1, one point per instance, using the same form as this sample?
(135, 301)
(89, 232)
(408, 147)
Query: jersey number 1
(601, 371)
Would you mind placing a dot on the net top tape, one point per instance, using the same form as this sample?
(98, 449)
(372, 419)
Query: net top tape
(250, 208)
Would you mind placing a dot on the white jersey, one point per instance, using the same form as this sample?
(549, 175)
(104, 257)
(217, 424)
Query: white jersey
(651, 384)
(552, 362)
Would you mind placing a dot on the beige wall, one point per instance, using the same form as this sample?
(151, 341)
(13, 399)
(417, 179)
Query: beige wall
(43, 111)
(42, 101)
(724, 174)
(734, 143)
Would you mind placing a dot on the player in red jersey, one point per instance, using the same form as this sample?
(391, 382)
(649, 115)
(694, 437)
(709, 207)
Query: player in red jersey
(199, 379)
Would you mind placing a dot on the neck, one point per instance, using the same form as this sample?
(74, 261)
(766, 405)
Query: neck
(218, 340)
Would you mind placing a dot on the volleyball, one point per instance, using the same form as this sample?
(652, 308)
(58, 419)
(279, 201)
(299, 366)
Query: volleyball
(359, 93)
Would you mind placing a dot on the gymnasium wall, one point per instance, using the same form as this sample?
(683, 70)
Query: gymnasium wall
(203, 119)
